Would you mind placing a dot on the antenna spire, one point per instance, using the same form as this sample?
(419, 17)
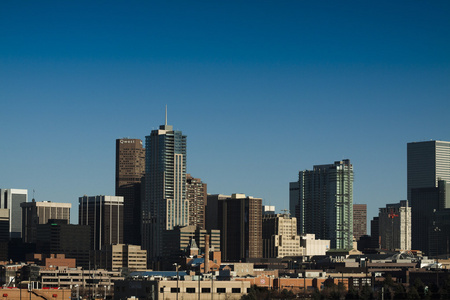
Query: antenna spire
(166, 115)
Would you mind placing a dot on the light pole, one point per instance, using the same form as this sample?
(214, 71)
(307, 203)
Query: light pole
(163, 288)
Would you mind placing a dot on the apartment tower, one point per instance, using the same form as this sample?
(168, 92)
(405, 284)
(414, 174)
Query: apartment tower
(196, 192)
(130, 169)
(325, 203)
(165, 204)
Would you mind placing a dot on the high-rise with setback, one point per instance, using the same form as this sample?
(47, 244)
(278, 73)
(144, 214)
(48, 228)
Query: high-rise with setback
(324, 203)
(130, 169)
(165, 204)
(428, 169)
(427, 163)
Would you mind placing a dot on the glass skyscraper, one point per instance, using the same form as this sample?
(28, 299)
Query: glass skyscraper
(165, 204)
(323, 203)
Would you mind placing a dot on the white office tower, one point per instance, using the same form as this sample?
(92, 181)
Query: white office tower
(11, 199)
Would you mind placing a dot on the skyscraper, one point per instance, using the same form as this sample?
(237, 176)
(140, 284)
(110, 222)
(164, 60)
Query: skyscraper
(325, 203)
(196, 192)
(34, 213)
(239, 219)
(359, 220)
(427, 162)
(428, 169)
(130, 169)
(395, 226)
(11, 199)
(426, 204)
(165, 204)
(105, 216)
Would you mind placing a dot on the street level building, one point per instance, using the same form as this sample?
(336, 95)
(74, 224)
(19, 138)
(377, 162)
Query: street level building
(104, 214)
(34, 213)
(239, 219)
(395, 226)
(325, 203)
(165, 205)
(312, 246)
(130, 169)
(11, 199)
(122, 256)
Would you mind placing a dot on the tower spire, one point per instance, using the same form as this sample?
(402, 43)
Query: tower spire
(166, 115)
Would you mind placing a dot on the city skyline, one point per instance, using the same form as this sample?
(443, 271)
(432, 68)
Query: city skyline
(262, 91)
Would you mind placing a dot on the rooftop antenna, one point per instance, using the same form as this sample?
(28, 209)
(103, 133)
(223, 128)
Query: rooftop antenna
(166, 115)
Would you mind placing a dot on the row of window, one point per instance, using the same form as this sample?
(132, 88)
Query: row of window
(203, 290)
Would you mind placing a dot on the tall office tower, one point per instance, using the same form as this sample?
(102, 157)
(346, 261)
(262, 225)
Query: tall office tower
(324, 203)
(426, 203)
(105, 216)
(196, 192)
(165, 204)
(11, 199)
(375, 233)
(359, 220)
(239, 219)
(395, 226)
(427, 163)
(130, 169)
(279, 235)
(34, 213)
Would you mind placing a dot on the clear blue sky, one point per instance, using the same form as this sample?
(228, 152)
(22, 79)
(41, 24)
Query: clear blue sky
(262, 89)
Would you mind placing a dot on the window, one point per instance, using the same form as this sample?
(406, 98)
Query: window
(190, 290)
(206, 290)
(221, 290)
(236, 290)
(174, 290)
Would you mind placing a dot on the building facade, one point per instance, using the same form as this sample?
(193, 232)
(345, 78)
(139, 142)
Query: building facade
(395, 226)
(74, 241)
(196, 193)
(130, 170)
(11, 199)
(105, 216)
(427, 162)
(239, 219)
(34, 213)
(279, 234)
(122, 256)
(312, 246)
(165, 205)
(359, 220)
(325, 203)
